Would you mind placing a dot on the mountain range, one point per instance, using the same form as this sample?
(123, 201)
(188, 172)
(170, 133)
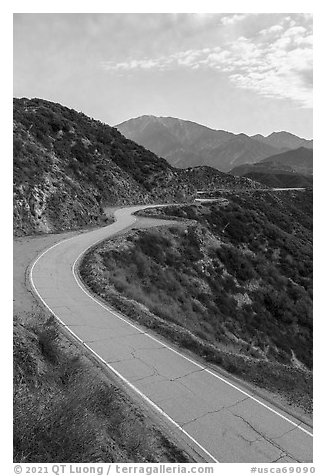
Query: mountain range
(188, 144)
(68, 167)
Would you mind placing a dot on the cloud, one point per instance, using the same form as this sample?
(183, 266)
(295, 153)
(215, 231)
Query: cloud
(276, 62)
(228, 20)
(271, 30)
(132, 65)
(275, 69)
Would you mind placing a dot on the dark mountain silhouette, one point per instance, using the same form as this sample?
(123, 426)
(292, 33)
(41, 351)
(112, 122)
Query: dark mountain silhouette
(290, 169)
(300, 160)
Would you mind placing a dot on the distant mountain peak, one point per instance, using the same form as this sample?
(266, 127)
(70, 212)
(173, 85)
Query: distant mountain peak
(242, 135)
(185, 143)
(279, 134)
(165, 119)
(284, 140)
(284, 134)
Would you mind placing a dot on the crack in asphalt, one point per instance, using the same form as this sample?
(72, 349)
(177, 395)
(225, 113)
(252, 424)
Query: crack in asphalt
(123, 359)
(200, 416)
(135, 357)
(282, 455)
(213, 412)
(236, 403)
(157, 347)
(118, 361)
(111, 338)
(186, 375)
(266, 438)
(156, 371)
(154, 374)
(288, 431)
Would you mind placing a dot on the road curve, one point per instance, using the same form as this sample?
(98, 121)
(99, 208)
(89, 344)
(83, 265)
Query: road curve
(220, 420)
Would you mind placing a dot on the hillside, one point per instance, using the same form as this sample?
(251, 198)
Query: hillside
(67, 167)
(187, 144)
(290, 169)
(300, 160)
(233, 283)
(278, 179)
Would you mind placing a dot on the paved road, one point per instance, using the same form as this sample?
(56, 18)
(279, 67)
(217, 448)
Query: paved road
(221, 421)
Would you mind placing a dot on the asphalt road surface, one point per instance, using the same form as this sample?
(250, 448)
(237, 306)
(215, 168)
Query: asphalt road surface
(220, 420)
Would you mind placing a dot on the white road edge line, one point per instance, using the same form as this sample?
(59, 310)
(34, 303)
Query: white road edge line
(135, 389)
(156, 340)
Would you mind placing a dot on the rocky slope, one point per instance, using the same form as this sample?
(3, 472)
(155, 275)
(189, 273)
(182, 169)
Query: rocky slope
(67, 166)
(187, 144)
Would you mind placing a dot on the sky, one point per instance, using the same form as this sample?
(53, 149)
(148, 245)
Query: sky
(242, 72)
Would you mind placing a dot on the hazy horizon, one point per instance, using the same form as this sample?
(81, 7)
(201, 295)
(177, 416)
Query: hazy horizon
(244, 73)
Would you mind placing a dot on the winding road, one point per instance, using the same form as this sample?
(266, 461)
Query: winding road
(216, 417)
